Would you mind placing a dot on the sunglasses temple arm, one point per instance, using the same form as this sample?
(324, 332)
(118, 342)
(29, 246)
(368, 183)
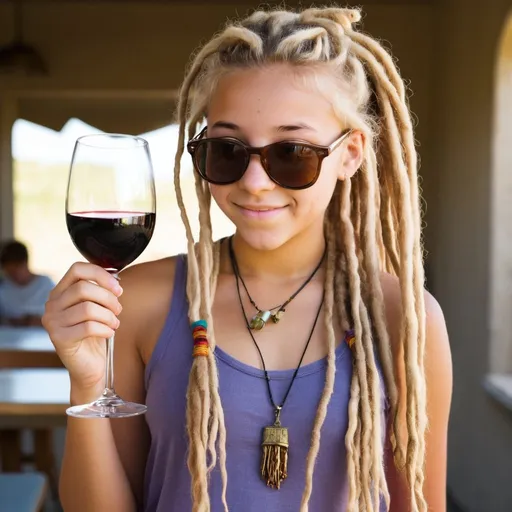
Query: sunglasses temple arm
(337, 143)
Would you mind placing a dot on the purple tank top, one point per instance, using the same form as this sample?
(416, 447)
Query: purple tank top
(247, 410)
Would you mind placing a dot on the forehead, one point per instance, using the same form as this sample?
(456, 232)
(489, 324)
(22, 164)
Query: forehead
(271, 95)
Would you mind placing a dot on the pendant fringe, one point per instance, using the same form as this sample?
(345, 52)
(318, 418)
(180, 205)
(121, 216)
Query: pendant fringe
(274, 465)
(274, 461)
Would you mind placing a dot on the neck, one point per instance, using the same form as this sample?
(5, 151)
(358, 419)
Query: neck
(293, 260)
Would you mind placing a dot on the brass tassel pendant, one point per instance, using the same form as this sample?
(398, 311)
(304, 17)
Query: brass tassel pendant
(274, 461)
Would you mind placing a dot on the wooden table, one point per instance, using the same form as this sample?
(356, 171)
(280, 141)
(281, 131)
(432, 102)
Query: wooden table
(27, 347)
(34, 398)
(29, 392)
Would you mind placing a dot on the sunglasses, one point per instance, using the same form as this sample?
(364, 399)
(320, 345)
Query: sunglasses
(292, 165)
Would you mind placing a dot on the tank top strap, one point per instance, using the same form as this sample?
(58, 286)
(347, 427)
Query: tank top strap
(179, 292)
(177, 312)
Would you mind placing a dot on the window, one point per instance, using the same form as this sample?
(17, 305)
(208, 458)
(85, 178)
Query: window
(41, 165)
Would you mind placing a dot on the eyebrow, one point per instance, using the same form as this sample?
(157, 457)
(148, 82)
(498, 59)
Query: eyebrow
(225, 124)
(283, 128)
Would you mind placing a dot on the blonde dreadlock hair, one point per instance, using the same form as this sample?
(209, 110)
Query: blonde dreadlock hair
(372, 224)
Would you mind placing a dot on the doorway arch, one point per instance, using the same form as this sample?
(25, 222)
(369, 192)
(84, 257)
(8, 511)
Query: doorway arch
(501, 206)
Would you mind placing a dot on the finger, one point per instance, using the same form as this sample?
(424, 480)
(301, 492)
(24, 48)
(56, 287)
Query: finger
(87, 272)
(76, 333)
(84, 291)
(87, 312)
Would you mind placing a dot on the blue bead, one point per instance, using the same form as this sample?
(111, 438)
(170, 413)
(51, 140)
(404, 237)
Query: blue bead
(200, 323)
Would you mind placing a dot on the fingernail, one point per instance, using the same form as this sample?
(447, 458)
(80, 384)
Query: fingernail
(118, 290)
(118, 323)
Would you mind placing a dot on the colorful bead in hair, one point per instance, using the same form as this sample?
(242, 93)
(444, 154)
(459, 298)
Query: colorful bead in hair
(350, 338)
(199, 334)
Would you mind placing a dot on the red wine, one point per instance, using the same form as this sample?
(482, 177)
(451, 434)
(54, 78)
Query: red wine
(111, 240)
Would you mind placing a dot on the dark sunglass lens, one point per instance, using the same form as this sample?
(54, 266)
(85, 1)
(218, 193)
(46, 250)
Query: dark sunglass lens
(221, 161)
(292, 165)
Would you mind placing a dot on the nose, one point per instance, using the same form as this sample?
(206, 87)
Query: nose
(255, 179)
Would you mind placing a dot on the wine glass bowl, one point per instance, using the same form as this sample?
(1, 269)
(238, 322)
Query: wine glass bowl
(110, 216)
(111, 240)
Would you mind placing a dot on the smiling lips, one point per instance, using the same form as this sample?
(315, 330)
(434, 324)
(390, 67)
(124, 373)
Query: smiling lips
(260, 212)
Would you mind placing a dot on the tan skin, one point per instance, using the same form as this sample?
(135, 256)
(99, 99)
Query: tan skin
(275, 254)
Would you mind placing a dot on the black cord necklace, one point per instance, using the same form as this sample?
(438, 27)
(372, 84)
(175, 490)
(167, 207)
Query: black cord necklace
(259, 321)
(274, 462)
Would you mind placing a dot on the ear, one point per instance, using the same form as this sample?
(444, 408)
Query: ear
(353, 154)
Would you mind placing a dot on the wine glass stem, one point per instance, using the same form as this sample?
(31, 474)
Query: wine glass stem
(109, 368)
(109, 360)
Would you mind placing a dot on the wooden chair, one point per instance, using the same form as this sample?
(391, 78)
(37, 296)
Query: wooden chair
(42, 457)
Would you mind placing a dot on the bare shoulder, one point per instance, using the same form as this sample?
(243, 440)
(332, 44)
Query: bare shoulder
(435, 323)
(146, 299)
(438, 360)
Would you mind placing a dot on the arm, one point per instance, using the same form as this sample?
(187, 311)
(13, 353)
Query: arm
(104, 461)
(93, 476)
(438, 376)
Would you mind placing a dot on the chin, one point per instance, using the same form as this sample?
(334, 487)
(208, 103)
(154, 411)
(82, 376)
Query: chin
(263, 239)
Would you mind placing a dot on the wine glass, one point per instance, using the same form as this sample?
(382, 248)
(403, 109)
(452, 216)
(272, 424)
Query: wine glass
(110, 215)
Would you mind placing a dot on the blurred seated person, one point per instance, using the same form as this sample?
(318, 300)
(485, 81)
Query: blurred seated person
(23, 294)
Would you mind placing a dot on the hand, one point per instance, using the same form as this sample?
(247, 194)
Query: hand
(80, 314)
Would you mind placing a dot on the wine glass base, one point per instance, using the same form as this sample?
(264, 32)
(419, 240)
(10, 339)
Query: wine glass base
(107, 408)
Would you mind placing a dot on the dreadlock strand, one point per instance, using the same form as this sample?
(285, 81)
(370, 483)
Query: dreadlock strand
(389, 236)
(410, 328)
(387, 192)
(359, 350)
(411, 161)
(410, 278)
(213, 424)
(340, 274)
(196, 460)
(407, 147)
(364, 204)
(331, 367)
(384, 59)
(376, 300)
(359, 450)
(373, 273)
(197, 397)
(377, 304)
(353, 454)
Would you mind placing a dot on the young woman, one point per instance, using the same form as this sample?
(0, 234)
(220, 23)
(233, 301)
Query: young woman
(297, 365)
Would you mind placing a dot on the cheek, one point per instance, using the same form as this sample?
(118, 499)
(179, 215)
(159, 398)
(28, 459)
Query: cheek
(220, 195)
